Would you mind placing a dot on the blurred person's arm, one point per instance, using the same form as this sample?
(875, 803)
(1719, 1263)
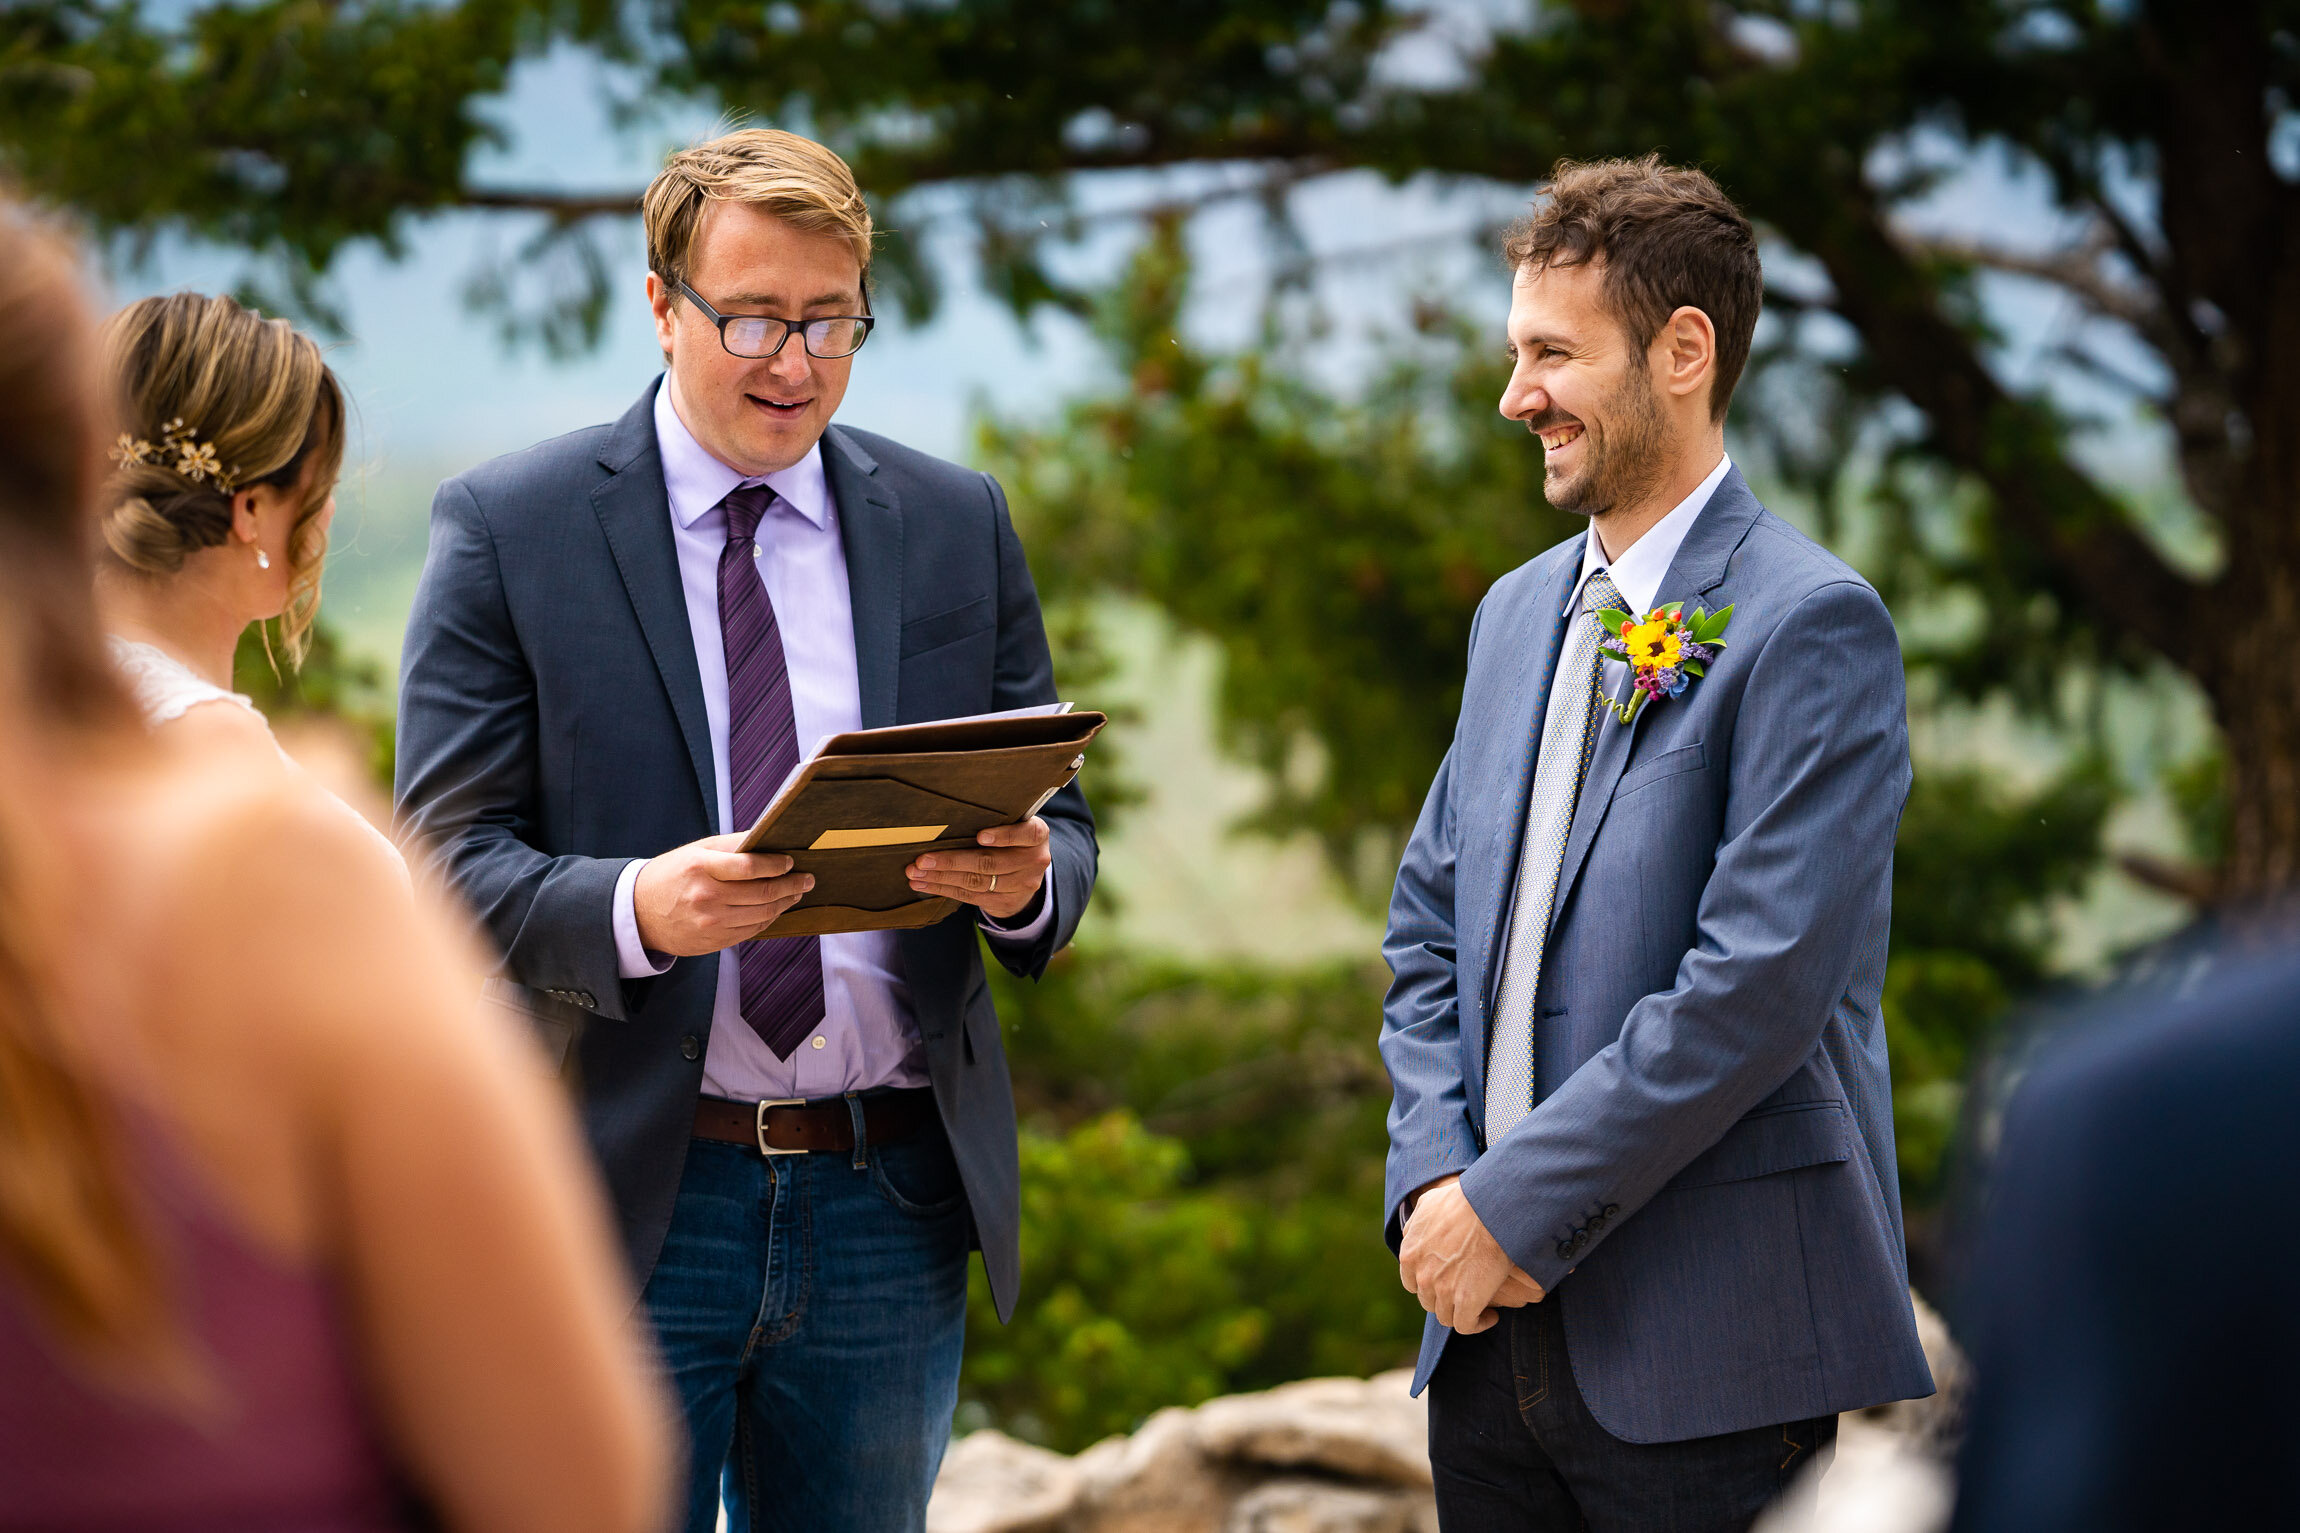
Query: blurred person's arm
(466, 784)
(445, 1186)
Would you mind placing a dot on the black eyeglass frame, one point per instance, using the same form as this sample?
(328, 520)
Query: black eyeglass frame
(791, 327)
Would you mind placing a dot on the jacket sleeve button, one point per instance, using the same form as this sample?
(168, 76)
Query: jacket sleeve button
(691, 1047)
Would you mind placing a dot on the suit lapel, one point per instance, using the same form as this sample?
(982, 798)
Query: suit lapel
(634, 512)
(871, 534)
(1700, 566)
(1540, 629)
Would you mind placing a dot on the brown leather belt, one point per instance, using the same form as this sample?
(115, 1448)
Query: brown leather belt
(793, 1127)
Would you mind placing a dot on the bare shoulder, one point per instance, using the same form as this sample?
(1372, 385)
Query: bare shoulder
(272, 907)
(222, 727)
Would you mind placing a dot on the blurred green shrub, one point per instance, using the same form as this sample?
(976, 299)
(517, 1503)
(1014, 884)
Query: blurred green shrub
(1201, 1179)
(346, 691)
(1975, 873)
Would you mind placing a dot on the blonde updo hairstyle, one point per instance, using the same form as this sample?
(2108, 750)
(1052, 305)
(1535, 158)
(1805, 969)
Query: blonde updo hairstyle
(255, 391)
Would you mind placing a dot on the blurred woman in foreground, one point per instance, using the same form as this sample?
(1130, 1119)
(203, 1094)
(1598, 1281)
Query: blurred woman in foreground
(291, 1235)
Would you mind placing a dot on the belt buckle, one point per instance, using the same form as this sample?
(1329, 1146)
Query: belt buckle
(764, 1147)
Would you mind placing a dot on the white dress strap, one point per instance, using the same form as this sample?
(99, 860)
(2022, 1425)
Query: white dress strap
(165, 688)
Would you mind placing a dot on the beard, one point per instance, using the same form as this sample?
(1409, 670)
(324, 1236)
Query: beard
(1624, 447)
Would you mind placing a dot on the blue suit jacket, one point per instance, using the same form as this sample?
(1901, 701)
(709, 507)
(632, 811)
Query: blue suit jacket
(1706, 1184)
(551, 730)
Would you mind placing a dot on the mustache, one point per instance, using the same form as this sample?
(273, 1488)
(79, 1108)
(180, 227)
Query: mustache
(1551, 420)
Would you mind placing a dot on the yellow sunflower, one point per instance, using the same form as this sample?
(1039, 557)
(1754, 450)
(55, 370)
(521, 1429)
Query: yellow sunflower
(1652, 643)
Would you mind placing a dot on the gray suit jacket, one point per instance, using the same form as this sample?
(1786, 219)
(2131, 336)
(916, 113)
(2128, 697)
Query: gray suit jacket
(551, 730)
(1707, 1184)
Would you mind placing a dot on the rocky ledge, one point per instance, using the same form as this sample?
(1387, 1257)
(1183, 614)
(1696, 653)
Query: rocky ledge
(1352, 1456)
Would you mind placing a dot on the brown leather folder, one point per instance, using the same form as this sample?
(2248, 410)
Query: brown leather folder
(870, 802)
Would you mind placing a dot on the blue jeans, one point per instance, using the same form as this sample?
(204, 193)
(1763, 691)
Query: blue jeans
(812, 1311)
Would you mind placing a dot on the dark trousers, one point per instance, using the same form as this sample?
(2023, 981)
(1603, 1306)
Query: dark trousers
(811, 1310)
(1515, 1449)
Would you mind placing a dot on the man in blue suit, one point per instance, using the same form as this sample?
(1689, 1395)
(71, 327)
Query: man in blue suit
(1641, 1167)
(623, 642)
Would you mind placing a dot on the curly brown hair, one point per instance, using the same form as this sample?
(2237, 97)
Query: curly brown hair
(1667, 238)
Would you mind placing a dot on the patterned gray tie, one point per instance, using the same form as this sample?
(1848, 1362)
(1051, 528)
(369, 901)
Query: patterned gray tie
(1568, 736)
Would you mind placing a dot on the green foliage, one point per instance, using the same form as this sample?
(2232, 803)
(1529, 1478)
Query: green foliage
(1139, 1292)
(347, 691)
(1201, 1176)
(1975, 871)
(291, 127)
(1334, 549)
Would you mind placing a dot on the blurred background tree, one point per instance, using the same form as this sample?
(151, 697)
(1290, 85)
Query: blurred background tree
(297, 128)
(1203, 1143)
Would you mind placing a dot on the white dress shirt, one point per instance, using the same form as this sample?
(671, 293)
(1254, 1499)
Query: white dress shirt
(868, 1036)
(1638, 573)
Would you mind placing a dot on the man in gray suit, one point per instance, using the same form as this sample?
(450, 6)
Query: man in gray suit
(624, 640)
(1641, 1167)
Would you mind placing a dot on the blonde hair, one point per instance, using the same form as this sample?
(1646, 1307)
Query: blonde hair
(781, 174)
(72, 1236)
(258, 394)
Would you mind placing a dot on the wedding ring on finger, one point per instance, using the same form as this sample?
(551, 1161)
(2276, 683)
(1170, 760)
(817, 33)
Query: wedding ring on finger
(993, 889)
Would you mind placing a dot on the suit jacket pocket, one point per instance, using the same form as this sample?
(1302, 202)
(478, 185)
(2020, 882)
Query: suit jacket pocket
(552, 1024)
(1782, 1138)
(940, 628)
(1685, 758)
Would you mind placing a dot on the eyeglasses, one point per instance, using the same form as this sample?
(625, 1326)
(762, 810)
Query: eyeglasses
(758, 336)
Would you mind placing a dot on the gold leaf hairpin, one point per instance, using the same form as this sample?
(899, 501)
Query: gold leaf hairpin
(180, 451)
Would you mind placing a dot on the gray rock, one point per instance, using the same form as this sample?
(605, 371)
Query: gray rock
(1320, 1506)
(1364, 1429)
(991, 1483)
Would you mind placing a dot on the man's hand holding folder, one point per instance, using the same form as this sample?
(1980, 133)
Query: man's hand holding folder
(1002, 880)
(898, 821)
(709, 895)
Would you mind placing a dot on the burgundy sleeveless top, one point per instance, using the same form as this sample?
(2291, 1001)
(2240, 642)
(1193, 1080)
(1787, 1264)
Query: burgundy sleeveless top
(290, 1448)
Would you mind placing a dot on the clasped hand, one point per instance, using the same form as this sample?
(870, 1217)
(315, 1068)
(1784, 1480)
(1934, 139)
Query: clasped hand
(1452, 1263)
(706, 895)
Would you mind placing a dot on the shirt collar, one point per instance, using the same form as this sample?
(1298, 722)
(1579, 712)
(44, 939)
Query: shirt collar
(697, 482)
(1638, 573)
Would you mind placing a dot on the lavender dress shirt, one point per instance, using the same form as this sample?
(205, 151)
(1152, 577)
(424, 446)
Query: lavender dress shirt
(868, 1036)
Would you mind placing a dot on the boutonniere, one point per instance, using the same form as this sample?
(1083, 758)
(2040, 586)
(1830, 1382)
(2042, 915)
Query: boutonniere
(1665, 648)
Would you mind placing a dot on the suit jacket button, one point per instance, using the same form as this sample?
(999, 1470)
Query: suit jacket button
(1611, 1209)
(691, 1047)
(1564, 1249)
(584, 999)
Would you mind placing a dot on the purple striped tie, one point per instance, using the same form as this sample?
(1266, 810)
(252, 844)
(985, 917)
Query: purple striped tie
(782, 977)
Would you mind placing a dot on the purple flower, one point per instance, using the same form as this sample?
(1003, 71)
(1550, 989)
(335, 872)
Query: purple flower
(1699, 654)
(1662, 681)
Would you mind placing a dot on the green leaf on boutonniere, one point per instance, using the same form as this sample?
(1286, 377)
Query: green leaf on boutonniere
(1610, 653)
(1694, 668)
(1613, 619)
(1707, 626)
(1674, 609)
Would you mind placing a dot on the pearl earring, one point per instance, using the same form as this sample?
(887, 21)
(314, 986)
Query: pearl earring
(263, 560)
